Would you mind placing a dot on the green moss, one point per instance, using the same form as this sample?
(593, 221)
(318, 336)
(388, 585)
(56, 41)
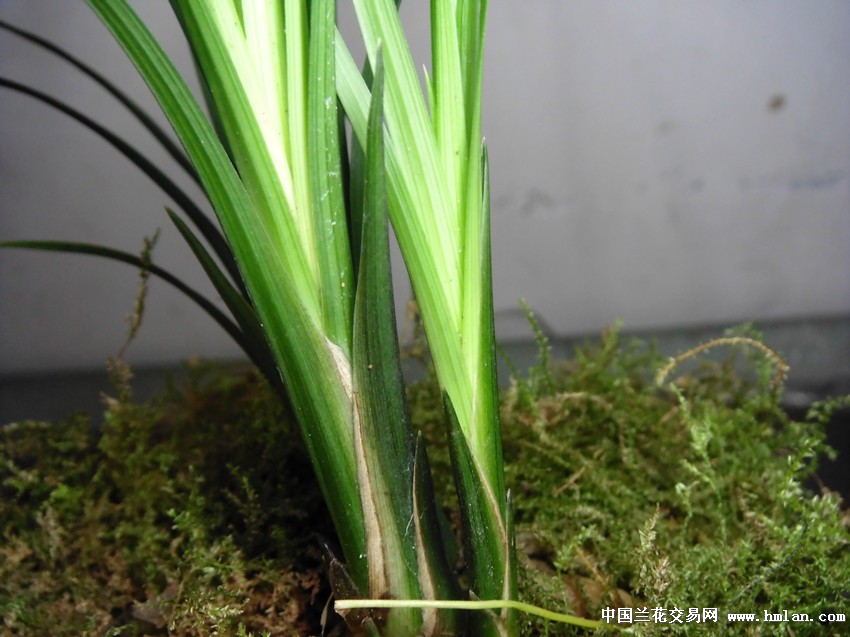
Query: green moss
(188, 515)
(195, 513)
(630, 495)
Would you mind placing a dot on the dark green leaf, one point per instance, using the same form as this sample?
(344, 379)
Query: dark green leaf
(146, 120)
(195, 214)
(485, 534)
(125, 257)
(258, 348)
(383, 437)
(436, 580)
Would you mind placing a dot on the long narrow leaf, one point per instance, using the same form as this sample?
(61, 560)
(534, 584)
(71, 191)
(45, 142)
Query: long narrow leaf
(257, 347)
(433, 286)
(295, 17)
(487, 521)
(447, 106)
(126, 257)
(218, 39)
(146, 120)
(435, 574)
(485, 533)
(427, 199)
(477, 327)
(383, 437)
(479, 333)
(208, 230)
(446, 160)
(356, 160)
(275, 279)
(471, 26)
(331, 229)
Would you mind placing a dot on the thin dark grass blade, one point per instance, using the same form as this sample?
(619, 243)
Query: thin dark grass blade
(201, 221)
(241, 310)
(146, 120)
(131, 259)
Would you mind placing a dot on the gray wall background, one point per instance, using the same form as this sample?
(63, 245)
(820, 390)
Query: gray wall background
(669, 163)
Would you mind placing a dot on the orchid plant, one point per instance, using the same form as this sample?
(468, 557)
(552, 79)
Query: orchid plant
(300, 256)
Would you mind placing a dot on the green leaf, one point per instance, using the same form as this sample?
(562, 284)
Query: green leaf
(479, 335)
(428, 227)
(347, 74)
(383, 436)
(218, 40)
(471, 27)
(435, 574)
(485, 534)
(209, 231)
(263, 239)
(438, 184)
(257, 347)
(331, 227)
(447, 102)
(146, 120)
(90, 249)
(297, 54)
(416, 189)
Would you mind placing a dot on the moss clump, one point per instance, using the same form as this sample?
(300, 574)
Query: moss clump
(188, 515)
(194, 514)
(628, 495)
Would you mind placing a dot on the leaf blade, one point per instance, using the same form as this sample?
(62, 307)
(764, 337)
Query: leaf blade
(383, 437)
(315, 374)
(90, 249)
(486, 532)
(324, 159)
(138, 112)
(209, 231)
(435, 574)
(257, 346)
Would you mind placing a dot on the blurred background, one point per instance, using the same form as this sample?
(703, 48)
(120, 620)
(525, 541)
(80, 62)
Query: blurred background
(681, 166)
